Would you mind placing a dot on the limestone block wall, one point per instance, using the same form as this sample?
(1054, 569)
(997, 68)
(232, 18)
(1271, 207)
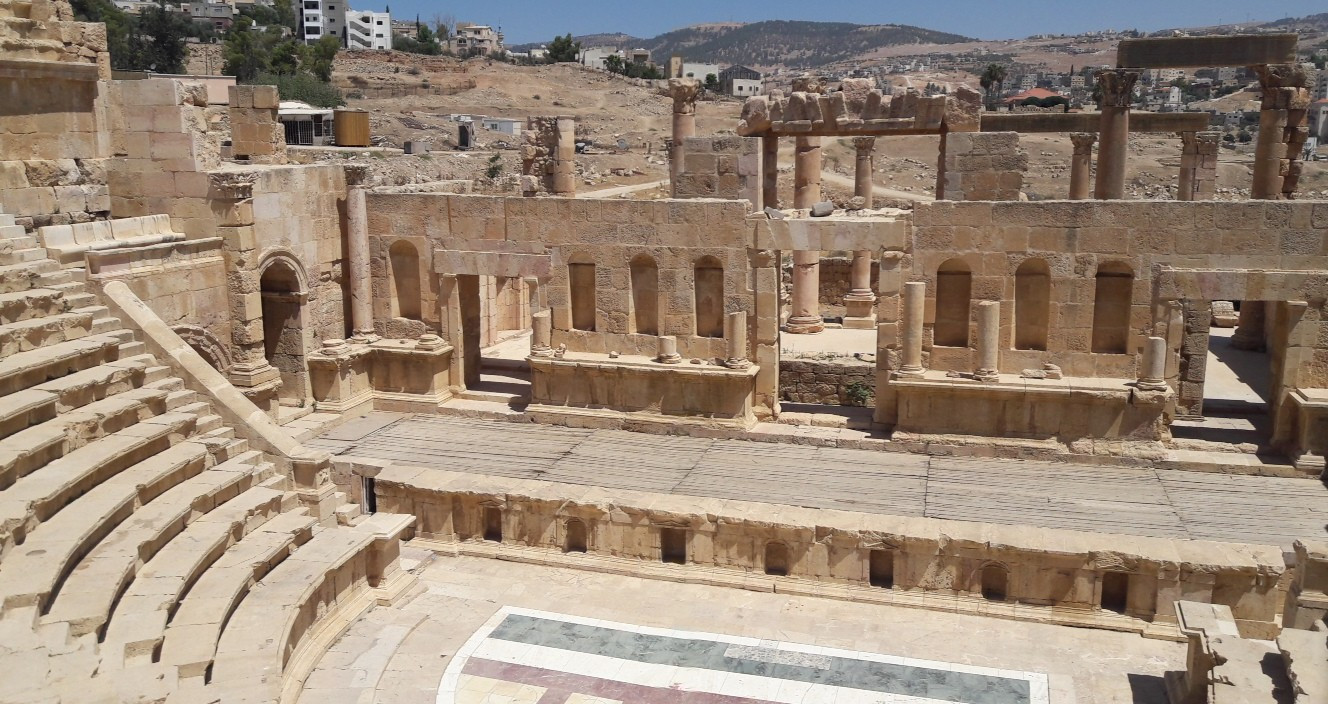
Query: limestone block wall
(257, 137)
(405, 291)
(162, 151)
(1071, 243)
(726, 167)
(982, 166)
(53, 119)
(1032, 566)
(826, 382)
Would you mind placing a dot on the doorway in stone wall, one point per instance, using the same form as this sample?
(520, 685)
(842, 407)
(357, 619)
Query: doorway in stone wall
(1225, 378)
(495, 315)
(282, 296)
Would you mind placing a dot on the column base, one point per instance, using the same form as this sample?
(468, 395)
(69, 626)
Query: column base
(987, 376)
(909, 373)
(804, 325)
(1250, 341)
(1151, 385)
(860, 311)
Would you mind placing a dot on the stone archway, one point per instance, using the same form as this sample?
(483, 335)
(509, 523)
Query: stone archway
(283, 289)
(207, 345)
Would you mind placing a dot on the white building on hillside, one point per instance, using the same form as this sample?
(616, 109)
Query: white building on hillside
(368, 30)
(595, 56)
(700, 71)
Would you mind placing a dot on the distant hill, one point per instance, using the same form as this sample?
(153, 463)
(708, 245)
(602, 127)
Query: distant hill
(1311, 23)
(773, 42)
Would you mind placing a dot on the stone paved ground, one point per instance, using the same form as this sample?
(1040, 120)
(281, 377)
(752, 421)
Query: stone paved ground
(398, 655)
(1161, 503)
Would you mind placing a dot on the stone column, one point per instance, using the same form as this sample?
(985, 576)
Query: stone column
(1282, 130)
(564, 158)
(667, 350)
(1117, 95)
(806, 314)
(1249, 333)
(1153, 373)
(770, 171)
(915, 309)
(860, 301)
(357, 239)
(684, 92)
(541, 334)
(735, 340)
(1081, 165)
(989, 341)
(1189, 163)
(862, 174)
(807, 172)
(1205, 170)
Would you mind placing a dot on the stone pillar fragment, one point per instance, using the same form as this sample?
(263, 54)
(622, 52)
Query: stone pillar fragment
(1117, 86)
(806, 313)
(770, 171)
(1081, 165)
(860, 301)
(1284, 110)
(1249, 334)
(989, 341)
(735, 339)
(667, 350)
(807, 172)
(915, 309)
(863, 167)
(541, 335)
(564, 158)
(357, 236)
(1152, 375)
(684, 92)
(1198, 166)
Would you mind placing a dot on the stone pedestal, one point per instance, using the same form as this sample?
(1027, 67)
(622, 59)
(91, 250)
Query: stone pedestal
(863, 167)
(1117, 87)
(1081, 165)
(1249, 333)
(339, 377)
(989, 342)
(684, 92)
(807, 172)
(860, 301)
(915, 309)
(806, 313)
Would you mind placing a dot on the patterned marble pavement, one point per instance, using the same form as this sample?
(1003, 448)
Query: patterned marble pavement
(525, 656)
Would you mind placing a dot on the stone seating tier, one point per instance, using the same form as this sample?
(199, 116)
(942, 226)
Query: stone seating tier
(69, 243)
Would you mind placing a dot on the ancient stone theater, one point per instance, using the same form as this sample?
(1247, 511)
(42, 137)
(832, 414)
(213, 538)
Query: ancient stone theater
(270, 432)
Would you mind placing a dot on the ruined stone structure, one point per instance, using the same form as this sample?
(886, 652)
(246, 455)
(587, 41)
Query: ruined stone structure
(182, 312)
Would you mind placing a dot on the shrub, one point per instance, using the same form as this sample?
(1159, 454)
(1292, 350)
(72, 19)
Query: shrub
(303, 86)
(858, 394)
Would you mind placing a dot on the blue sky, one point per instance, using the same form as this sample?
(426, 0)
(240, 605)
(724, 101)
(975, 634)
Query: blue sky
(534, 20)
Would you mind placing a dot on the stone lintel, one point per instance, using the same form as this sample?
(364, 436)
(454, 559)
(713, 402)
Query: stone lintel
(1202, 52)
(1029, 123)
(29, 70)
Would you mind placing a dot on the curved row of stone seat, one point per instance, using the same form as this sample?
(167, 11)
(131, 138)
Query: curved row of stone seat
(69, 243)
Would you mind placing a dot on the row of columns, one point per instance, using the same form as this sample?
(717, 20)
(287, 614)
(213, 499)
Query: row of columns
(1152, 373)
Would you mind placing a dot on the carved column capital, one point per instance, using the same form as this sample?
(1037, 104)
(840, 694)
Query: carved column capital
(864, 144)
(356, 174)
(1083, 141)
(808, 83)
(1117, 87)
(232, 185)
(684, 92)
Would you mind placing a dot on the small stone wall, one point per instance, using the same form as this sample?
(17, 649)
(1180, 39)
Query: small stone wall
(826, 382)
(982, 166)
(721, 167)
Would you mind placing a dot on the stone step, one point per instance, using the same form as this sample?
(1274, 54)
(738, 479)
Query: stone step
(16, 238)
(21, 277)
(78, 299)
(32, 571)
(138, 623)
(6, 220)
(37, 497)
(20, 256)
(191, 638)
(132, 348)
(34, 447)
(222, 443)
(29, 335)
(156, 373)
(30, 304)
(25, 408)
(85, 598)
(53, 275)
(26, 369)
(105, 324)
(102, 381)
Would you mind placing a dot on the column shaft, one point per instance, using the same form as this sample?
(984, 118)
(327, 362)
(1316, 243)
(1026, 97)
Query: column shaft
(989, 336)
(807, 172)
(915, 308)
(770, 171)
(863, 165)
(1114, 131)
(806, 313)
(1269, 151)
(361, 285)
(1081, 165)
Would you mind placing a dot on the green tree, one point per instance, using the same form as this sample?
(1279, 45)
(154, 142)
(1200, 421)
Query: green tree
(285, 58)
(245, 52)
(563, 49)
(711, 81)
(615, 64)
(992, 81)
(319, 57)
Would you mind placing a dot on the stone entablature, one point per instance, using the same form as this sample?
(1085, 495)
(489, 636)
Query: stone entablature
(1053, 568)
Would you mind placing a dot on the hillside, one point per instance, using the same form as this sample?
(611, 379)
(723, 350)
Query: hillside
(774, 42)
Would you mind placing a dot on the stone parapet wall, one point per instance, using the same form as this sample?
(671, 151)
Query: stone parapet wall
(982, 166)
(721, 167)
(1046, 567)
(826, 382)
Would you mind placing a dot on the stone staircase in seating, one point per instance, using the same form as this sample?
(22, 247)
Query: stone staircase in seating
(146, 552)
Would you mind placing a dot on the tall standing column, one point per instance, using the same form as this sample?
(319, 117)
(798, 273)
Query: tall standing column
(807, 172)
(915, 309)
(357, 254)
(1249, 334)
(1152, 376)
(564, 158)
(770, 171)
(684, 92)
(863, 165)
(735, 340)
(806, 314)
(1282, 131)
(989, 341)
(1117, 86)
(1205, 170)
(1189, 164)
(860, 301)
(1081, 165)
